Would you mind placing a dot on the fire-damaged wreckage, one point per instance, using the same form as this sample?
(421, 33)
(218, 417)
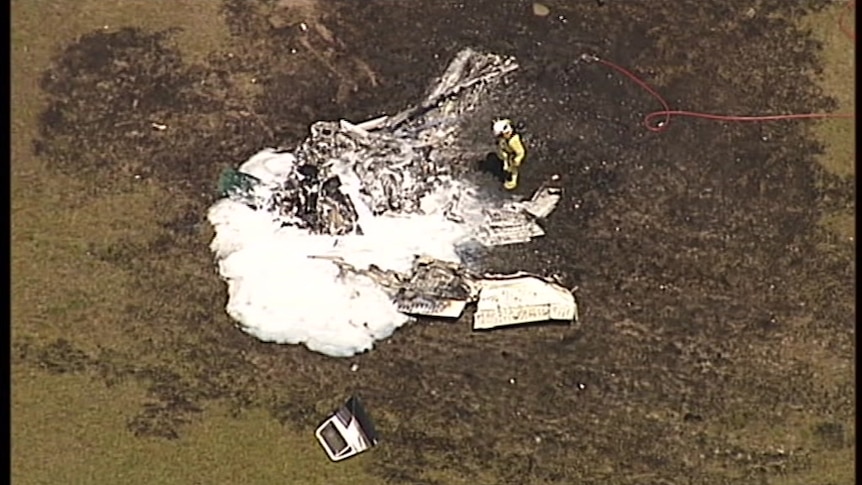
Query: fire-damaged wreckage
(345, 172)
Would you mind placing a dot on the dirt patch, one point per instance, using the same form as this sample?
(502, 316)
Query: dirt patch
(704, 277)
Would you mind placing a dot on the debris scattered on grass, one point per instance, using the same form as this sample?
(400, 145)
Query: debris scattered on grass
(364, 226)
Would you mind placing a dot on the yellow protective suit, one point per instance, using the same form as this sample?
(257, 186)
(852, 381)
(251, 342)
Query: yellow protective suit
(511, 151)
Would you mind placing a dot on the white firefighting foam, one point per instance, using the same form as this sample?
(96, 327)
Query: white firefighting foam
(281, 290)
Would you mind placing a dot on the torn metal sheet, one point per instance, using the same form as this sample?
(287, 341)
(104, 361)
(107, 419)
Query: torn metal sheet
(431, 307)
(508, 227)
(543, 202)
(439, 278)
(519, 299)
(510, 222)
(442, 289)
(432, 288)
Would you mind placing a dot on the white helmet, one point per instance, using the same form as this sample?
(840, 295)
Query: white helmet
(502, 127)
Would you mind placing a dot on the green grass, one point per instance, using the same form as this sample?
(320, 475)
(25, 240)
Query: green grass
(52, 226)
(838, 80)
(72, 429)
(838, 136)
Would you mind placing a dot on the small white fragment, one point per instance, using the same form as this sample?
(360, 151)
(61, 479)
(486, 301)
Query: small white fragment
(354, 367)
(159, 126)
(540, 10)
(512, 380)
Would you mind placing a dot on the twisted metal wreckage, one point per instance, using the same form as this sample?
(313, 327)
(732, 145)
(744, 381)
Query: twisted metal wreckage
(345, 172)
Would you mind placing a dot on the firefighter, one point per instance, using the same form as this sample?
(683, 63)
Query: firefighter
(510, 150)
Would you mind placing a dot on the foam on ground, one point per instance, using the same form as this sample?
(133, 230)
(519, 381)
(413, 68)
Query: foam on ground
(280, 291)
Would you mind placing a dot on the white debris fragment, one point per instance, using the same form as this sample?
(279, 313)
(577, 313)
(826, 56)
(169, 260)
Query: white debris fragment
(347, 432)
(543, 202)
(540, 10)
(521, 298)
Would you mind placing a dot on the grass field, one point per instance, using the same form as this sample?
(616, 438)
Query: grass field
(109, 361)
(839, 136)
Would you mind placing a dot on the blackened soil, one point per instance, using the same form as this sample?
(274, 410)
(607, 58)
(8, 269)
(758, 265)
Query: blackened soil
(705, 284)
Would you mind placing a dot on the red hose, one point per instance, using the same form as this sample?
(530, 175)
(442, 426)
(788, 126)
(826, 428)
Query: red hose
(666, 114)
(851, 6)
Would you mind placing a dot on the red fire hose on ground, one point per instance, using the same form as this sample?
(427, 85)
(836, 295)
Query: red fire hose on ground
(658, 120)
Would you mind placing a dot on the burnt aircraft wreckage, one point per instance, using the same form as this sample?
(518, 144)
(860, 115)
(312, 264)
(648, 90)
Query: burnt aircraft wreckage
(344, 175)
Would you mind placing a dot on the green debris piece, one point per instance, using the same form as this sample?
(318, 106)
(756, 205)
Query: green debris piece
(233, 183)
